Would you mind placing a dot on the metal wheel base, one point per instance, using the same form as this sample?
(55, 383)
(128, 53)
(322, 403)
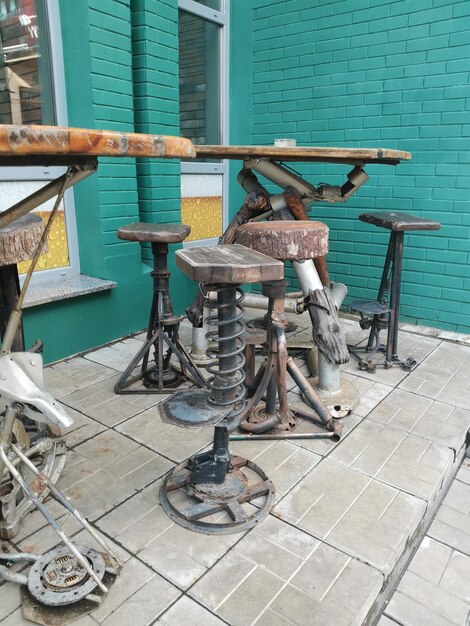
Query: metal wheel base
(218, 508)
(262, 323)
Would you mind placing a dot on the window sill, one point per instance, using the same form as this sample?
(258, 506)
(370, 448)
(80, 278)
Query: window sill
(64, 288)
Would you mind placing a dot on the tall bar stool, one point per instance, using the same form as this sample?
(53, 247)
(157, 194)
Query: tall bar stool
(208, 492)
(163, 327)
(286, 240)
(383, 313)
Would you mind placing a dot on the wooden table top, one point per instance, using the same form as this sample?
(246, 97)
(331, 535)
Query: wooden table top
(353, 156)
(56, 141)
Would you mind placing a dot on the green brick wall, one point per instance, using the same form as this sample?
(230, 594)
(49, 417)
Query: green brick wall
(120, 62)
(371, 73)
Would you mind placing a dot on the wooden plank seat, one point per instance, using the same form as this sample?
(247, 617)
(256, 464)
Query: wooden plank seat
(285, 240)
(154, 233)
(228, 264)
(399, 221)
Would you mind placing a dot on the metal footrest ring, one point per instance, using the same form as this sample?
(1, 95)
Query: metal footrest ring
(218, 508)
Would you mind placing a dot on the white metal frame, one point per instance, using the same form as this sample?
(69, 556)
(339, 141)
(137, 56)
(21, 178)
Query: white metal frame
(222, 18)
(49, 173)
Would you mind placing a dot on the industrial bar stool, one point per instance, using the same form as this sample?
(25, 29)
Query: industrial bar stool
(383, 313)
(285, 240)
(163, 327)
(213, 482)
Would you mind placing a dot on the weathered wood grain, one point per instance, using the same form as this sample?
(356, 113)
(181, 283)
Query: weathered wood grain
(352, 156)
(55, 140)
(19, 239)
(154, 233)
(230, 264)
(286, 239)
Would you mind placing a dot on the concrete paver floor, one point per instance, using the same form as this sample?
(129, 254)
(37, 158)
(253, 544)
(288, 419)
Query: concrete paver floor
(347, 517)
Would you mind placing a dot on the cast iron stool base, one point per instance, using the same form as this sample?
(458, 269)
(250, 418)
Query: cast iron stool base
(383, 314)
(218, 508)
(163, 338)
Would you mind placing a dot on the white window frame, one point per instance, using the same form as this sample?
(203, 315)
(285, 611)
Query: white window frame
(221, 18)
(9, 174)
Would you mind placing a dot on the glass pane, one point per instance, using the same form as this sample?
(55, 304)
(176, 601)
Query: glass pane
(199, 79)
(25, 69)
(212, 4)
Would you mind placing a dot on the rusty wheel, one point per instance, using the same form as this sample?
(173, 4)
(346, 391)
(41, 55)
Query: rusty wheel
(218, 509)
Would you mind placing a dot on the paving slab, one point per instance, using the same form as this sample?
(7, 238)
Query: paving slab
(434, 590)
(419, 415)
(187, 611)
(173, 442)
(274, 565)
(451, 524)
(71, 375)
(365, 518)
(99, 402)
(117, 355)
(443, 376)
(412, 464)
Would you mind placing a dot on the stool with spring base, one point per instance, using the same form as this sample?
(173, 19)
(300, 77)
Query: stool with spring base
(207, 493)
(383, 313)
(163, 328)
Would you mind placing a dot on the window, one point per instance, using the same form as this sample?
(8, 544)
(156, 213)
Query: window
(203, 92)
(31, 92)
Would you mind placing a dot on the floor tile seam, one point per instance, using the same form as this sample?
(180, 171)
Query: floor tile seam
(395, 496)
(330, 544)
(448, 545)
(449, 557)
(386, 459)
(147, 447)
(413, 434)
(237, 586)
(352, 503)
(384, 482)
(198, 602)
(271, 541)
(413, 597)
(286, 583)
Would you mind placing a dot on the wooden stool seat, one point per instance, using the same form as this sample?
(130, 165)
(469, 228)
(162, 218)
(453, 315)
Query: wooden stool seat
(228, 264)
(286, 240)
(398, 221)
(154, 233)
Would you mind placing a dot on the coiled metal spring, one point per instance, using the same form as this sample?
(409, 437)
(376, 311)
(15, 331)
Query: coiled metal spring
(228, 374)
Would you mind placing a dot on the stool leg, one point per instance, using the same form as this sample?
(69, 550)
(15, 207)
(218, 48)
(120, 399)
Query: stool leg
(162, 333)
(392, 337)
(376, 322)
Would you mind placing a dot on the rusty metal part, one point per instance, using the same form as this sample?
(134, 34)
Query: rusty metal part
(295, 204)
(286, 239)
(192, 506)
(34, 611)
(57, 578)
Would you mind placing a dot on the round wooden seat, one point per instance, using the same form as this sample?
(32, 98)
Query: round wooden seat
(154, 233)
(228, 264)
(285, 240)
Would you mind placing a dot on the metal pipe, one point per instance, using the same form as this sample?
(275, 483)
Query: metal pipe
(308, 392)
(258, 301)
(329, 374)
(307, 276)
(6, 432)
(268, 436)
(45, 193)
(66, 504)
(42, 509)
(12, 577)
(282, 176)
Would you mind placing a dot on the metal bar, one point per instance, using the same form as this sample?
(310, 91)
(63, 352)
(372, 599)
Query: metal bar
(309, 393)
(66, 504)
(12, 577)
(382, 289)
(392, 337)
(268, 436)
(42, 509)
(46, 193)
